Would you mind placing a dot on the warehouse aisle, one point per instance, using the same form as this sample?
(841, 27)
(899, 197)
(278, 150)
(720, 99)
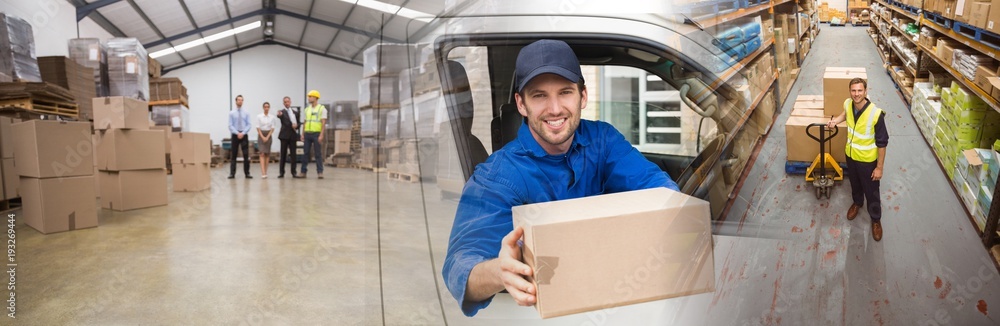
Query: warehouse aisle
(930, 267)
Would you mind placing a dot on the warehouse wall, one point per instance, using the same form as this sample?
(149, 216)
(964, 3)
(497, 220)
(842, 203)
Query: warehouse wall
(263, 73)
(53, 23)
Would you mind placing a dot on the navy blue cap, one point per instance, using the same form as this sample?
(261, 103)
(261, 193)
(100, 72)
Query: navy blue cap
(546, 57)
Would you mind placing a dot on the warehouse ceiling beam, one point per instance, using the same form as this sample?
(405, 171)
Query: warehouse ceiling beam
(145, 18)
(330, 24)
(381, 30)
(99, 19)
(232, 20)
(194, 23)
(84, 9)
(204, 28)
(304, 28)
(262, 42)
(337, 33)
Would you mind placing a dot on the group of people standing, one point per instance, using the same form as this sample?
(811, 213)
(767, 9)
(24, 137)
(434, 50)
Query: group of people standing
(314, 117)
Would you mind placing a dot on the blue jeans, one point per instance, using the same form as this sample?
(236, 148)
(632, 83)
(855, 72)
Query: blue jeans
(312, 140)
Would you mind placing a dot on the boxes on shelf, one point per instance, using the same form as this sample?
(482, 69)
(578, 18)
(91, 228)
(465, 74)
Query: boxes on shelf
(76, 208)
(763, 116)
(154, 68)
(388, 59)
(993, 20)
(7, 136)
(17, 49)
(373, 122)
(342, 114)
(379, 91)
(167, 89)
(79, 80)
(557, 242)
(946, 50)
(802, 148)
(978, 13)
(134, 189)
(808, 113)
(127, 75)
(91, 53)
(175, 116)
(49, 149)
(120, 112)
(418, 117)
(836, 87)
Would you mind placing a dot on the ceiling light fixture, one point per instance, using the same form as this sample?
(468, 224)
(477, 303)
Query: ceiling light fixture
(393, 9)
(207, 39)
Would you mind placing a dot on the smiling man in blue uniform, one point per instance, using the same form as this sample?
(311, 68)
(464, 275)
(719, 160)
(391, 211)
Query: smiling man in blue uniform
(555, 156)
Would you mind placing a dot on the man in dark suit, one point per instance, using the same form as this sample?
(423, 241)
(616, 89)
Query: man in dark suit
(288, 136)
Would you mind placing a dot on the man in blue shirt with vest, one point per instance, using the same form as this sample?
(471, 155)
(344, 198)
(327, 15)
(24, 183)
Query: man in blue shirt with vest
(239, 127)
(555, 156)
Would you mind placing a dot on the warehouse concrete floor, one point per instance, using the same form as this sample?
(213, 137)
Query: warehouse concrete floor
(357, 248)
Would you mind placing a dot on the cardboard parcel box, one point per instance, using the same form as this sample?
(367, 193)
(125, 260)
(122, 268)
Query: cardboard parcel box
(802, 148)
(59, 204)
(836, 87)
(127, 190)
(192, 177)
(121, 150)
(120, 112)
(49, 148)
(190, 147)
(618, 249)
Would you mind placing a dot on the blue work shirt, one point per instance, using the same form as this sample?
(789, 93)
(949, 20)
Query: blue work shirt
(600, 161)
(239, 121)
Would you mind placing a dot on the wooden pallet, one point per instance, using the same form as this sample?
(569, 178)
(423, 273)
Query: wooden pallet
(401, 176)
(181, 101)
(40, 106)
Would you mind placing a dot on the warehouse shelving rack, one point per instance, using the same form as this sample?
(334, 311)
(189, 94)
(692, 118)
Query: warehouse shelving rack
(945, 27)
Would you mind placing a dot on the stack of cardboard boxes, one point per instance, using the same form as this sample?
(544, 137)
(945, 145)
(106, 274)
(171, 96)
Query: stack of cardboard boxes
(132, 172)
(8, 173)
(809, 109)
(55, 162)
(975, 177)
(79, 80)
(378, 97)
(190, 157)
(17, 49)
(925, 108)
(338, 139)
(127, 64)
(91, 53)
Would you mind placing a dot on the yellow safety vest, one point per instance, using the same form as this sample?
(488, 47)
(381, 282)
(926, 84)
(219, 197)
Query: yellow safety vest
(861, 133)
(313, 115)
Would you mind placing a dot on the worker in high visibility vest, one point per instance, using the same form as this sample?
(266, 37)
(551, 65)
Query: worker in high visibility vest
(314, 120)
(867, 138)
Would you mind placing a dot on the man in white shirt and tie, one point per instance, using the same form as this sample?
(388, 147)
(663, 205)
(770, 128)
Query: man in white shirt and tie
(239, 126)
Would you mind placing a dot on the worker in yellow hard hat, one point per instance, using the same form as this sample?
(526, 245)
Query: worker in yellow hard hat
(312, 133)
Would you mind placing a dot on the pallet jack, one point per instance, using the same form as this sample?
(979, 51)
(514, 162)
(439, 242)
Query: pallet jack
(824, 170)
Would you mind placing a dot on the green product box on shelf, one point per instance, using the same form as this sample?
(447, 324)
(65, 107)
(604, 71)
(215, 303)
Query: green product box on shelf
(985, 197)
(996, 145)
(946, 98)
(968, 134)
(968, 117)
(955, 86)
(964, 99)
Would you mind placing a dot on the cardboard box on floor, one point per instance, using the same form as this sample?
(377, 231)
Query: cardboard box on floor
(49, 149)
(166, 136)
(127, 190)
(120, 150)
(190, 147)
(11, 180)
(192, 177)
(652, 244)
(7, 136)
(836, 87)
(119, 112)
(802, 148)
(76, 208)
